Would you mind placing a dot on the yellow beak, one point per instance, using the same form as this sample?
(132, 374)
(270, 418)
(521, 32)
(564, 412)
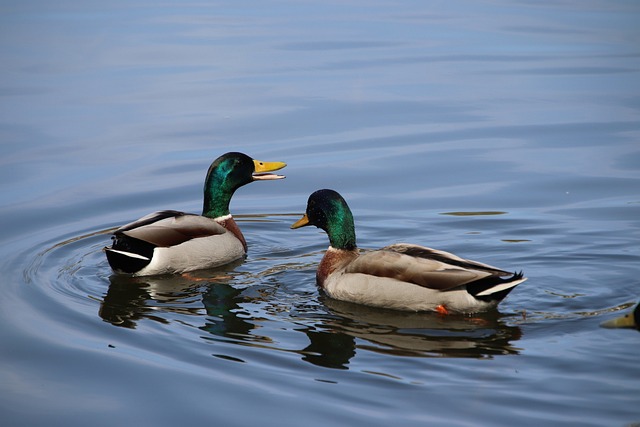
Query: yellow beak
(625, 321)
(301, 222)
(261, 167)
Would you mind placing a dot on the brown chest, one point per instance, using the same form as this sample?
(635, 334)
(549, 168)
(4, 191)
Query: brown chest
(231, 225)
(333, 260)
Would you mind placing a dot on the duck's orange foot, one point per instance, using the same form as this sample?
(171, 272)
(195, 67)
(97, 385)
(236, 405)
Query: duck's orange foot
(441, 309)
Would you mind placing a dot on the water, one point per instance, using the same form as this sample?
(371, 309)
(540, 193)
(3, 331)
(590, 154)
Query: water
(506, 132)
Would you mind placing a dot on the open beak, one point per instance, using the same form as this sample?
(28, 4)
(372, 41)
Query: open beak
(301, 222)
(262, 169)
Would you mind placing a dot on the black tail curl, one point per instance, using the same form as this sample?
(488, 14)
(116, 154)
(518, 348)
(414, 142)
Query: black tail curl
(482, 285)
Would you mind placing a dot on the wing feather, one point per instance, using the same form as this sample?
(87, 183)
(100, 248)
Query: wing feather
(425, 271)
(443, 256)
(170, 228)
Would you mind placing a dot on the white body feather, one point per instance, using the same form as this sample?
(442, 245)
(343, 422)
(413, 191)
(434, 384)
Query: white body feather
(194, 254)
(394, 294)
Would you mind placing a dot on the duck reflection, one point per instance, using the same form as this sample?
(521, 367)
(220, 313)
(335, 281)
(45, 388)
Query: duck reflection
(131, 299)
(163, 299)
(335, 334)
(330, 349)
(222, 304)
(406, 334)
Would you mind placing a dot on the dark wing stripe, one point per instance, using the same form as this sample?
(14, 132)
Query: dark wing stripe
(403, 267)
(427, 253)
(170, 228)
(151, 218)
(166, 237)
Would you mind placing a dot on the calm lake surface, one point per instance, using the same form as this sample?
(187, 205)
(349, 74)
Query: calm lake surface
(505, 132)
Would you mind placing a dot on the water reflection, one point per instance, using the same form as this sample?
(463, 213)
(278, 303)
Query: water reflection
(212, 296)
(130, 299)
(225, 316)
(232, 314)
(407, 334)
(330, 349)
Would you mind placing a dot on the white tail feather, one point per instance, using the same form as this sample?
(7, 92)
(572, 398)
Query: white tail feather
(129, 254)
(500, 287)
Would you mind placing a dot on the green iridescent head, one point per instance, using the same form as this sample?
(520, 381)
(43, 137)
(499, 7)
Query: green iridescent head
(326, 209)
(229, 172)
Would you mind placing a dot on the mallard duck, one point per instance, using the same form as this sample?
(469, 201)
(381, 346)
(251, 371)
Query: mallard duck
(169, 242)
(629, 320)
(400, 276)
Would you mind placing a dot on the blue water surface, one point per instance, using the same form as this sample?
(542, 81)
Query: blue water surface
(504, 131)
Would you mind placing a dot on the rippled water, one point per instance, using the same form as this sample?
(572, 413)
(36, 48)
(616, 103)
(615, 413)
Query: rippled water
(506, 132)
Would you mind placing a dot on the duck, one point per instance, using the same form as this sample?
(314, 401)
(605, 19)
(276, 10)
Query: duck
(400, 276)
(629, 320)
(174, 242)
